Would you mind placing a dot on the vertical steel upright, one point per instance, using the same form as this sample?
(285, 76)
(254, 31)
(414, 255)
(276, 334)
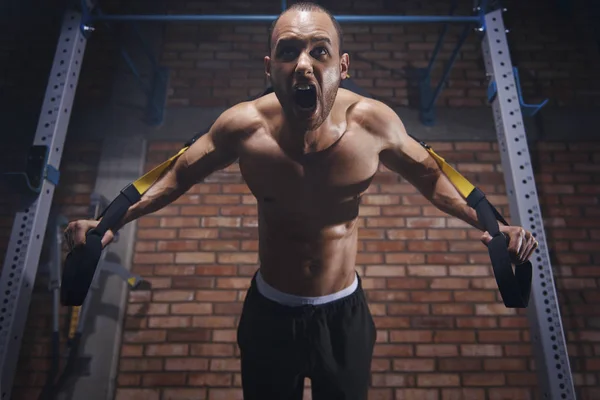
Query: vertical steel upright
(24, 249)
(555, 380)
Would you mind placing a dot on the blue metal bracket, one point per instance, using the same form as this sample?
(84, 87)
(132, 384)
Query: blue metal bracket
(36, 172)
(528, 110)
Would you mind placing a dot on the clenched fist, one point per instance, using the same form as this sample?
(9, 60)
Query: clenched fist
(76, 231)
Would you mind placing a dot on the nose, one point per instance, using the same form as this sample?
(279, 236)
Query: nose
(304, 66)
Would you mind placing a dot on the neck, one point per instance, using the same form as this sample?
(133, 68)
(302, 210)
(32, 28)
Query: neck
(304, 139)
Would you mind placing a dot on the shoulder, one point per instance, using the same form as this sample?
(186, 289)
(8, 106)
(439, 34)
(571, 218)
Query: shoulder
(376, 118)
(242, 118)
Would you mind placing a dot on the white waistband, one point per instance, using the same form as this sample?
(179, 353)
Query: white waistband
(292, 300)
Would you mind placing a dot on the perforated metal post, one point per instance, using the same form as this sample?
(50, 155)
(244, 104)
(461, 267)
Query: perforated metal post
(555, 380)
(23, 255)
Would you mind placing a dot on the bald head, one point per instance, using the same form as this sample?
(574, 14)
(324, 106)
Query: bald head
(307, 7)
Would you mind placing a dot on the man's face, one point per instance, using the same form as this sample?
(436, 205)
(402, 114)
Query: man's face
(305, 67)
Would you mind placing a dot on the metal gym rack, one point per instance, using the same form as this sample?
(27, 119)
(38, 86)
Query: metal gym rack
(23, 253)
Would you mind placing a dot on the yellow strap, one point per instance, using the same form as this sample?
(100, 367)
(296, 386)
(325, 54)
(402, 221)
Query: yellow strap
(143, 184)
(74, 321)
(460, 182)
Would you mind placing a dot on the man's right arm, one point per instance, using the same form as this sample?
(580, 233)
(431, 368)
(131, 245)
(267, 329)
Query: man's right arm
(212, 151)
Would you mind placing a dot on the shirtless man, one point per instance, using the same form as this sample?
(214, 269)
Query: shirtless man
(308, 152)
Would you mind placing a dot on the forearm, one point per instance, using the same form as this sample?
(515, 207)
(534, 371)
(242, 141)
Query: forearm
(447, 199)
(165, 191)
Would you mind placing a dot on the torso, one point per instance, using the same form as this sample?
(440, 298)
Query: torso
(308, 205)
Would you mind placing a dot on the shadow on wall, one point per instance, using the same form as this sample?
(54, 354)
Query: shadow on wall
(79, 363)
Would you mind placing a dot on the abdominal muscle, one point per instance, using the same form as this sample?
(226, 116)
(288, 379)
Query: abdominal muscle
(307, 258)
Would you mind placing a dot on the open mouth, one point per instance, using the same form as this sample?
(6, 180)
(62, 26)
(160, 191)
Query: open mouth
(305, 96)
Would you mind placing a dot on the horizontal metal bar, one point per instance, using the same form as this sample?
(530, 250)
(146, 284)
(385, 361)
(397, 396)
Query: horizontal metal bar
(270, 18)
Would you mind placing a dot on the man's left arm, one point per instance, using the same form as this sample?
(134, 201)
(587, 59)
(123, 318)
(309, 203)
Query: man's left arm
(403, 155)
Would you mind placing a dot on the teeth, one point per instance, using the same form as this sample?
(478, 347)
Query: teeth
(303, 87)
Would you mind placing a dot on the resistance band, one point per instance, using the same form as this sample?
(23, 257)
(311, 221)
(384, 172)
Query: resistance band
(81, 262)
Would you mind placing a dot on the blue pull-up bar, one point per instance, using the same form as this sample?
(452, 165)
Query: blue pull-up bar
(270, 18)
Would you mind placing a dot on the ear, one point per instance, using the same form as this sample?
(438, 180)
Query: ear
(268, 67)
(344, 65)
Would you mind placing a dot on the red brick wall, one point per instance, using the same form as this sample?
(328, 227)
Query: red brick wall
(442, 331)
(217, 64)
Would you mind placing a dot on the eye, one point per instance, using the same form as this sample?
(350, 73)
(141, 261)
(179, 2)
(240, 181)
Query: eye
(320, 51)
(288, 53)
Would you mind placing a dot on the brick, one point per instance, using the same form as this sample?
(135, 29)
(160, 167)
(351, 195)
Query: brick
(452, 309)
(457, 336)
(179, 222)
(463, 394)
(173, 270)
(454, 234)
(144, 336)
(408, 309)
(511, 393)
(430, 296)
(237, 258)
(396, 350)
(410, 336)
(215, 295)
(428, 270)
(153, 258)
(499, 336)
(163, 379)
(436, 350)
(200, 233)
(384, 246)
(405, 234)
(176, 245)
(478, 350)
(506, 364)
(225, 394)
(225, 364)
(140, 364)
(210, 379)
(449, 283)
(388, 380)
(165, 349)
(192, 282)
(137, 394)
(184, 394)
(438, 380)
(189, 335)
(168, 322)
(413, 365)
(404, 258)
(414, 394)
(213, 322)
(215, 270)
(385, 270)
(192, 309)
(483, 379)
(173, 295)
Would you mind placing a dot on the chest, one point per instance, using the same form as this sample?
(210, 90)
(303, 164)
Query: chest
(336, 175)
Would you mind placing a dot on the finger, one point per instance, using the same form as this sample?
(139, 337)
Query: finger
(107, 238)
(529, 248)
(486, 238)
(534, 246)
(515, 244)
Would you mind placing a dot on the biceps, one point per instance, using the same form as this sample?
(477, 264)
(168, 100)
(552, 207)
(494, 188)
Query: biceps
(203, 158)
(412, 161)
